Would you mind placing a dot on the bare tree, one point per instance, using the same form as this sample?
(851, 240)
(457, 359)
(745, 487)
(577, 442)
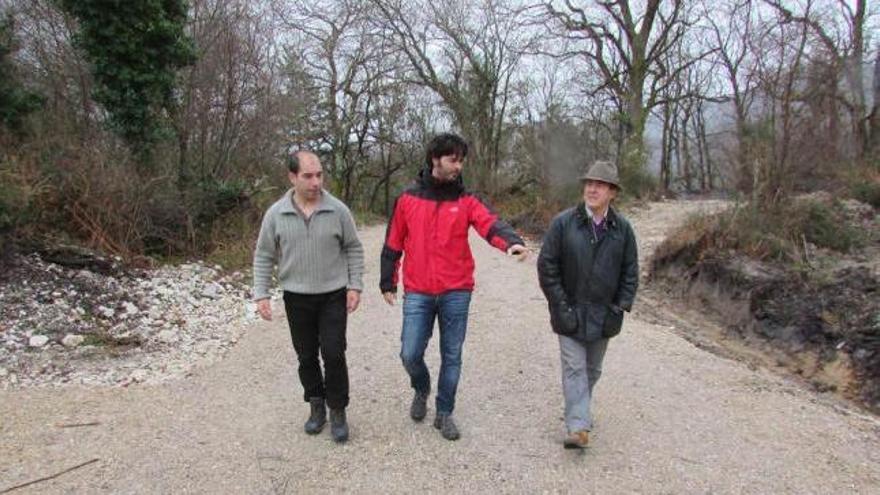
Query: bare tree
(54, 66)
(349, 63)
(667, 145)
(402, 125)
(781, 74)
(467, 53)
(845, 49)
(217, 115)
(704, 152)
(627, 49)
(874, 115)
(732, 26)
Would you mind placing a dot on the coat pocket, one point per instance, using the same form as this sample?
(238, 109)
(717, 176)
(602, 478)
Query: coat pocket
(563, 319)
(613, 323)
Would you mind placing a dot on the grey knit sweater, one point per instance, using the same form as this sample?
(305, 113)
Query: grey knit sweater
(316, 256)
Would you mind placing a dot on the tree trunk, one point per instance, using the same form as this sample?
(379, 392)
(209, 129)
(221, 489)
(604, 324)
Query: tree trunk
(634, 155)
(687, 158)
(705, 154)
(701, 157)
(855, 72)
(687, 164)
(744, 177)
(874, 117)
(665, 152)
(675, 143)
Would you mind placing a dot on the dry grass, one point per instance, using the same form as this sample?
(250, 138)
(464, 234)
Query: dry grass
(782, 232)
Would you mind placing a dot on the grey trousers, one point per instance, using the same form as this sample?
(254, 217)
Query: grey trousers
(581, 369)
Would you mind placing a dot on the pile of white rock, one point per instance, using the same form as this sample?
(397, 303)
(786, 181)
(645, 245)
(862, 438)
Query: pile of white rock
(74, 326)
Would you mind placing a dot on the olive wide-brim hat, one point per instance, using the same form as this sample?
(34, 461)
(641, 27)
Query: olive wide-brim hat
(604, 171)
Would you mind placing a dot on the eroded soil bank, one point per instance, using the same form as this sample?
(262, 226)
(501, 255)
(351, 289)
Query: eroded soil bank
(819, 319)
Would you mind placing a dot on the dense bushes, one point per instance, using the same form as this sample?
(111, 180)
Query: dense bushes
(637, 183)
(865, 187)
(782, 232)
(97, 196)
(10, 199)
(827, 226)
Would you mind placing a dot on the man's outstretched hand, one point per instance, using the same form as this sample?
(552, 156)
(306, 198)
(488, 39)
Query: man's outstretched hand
(264, 308)
(352, 300)
(390, 297)
(519, 251)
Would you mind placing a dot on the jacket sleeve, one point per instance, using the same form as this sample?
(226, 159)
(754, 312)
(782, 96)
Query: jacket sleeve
(354, 252)
(392, 250)
(497, 232)
(629, 274)
(265, 256)
(550, 264)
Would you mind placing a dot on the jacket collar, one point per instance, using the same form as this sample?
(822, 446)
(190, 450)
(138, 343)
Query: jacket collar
(444, 189)
(583, 216)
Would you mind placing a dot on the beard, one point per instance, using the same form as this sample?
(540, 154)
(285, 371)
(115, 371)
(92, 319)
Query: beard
(446, 176)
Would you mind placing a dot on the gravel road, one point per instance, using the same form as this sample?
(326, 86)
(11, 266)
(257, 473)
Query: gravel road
(670, 417)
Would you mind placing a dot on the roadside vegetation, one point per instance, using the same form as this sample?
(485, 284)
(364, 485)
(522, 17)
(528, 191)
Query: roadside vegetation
(800, 280)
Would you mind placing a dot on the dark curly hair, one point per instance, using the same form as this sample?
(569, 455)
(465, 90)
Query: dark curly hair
(443, 145)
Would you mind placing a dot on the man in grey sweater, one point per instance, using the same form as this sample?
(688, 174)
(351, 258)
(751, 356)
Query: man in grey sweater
(311, 237)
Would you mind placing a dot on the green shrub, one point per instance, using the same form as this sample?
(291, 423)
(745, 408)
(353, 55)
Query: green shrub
(826, 226)
(212, 199)
(17, 197)
(8, 212)
(16, 100)
(637, 182)
(192, 221)
(759, 233)
(867, 192)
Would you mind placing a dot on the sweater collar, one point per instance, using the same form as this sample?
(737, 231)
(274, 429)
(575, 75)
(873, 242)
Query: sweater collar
(325, 203)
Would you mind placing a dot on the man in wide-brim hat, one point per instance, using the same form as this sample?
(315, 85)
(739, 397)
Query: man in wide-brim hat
(588, 269)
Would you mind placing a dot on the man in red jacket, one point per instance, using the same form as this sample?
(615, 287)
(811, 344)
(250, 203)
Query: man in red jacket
(430, 223)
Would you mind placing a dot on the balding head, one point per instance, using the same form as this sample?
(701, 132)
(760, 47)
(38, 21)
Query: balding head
(296, 159)
(306, 175)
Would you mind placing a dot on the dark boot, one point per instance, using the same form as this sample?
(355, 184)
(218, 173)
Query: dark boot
(419, 407)
(318, 417)
(446, 425)
(338, 425)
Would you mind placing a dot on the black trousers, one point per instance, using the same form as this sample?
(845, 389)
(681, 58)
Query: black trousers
(317, 326)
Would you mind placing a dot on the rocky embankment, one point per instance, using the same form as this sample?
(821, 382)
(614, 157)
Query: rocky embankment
(97, 322)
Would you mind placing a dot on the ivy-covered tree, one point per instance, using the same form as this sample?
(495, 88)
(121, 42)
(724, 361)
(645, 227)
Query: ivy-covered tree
(135, 50)
(16, 102)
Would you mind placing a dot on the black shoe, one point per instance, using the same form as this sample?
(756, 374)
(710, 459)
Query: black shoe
(419, 407)
(338, 425)
(318, 417)
(446, 425)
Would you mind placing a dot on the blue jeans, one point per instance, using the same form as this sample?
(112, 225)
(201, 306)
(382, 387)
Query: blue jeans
(419, 312)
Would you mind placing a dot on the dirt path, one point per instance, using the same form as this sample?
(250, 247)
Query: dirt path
(670, 417)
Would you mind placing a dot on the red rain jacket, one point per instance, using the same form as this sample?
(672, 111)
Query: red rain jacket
(430, 223)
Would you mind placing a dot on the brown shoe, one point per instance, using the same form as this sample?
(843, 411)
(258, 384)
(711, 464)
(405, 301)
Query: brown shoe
(577, 440)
